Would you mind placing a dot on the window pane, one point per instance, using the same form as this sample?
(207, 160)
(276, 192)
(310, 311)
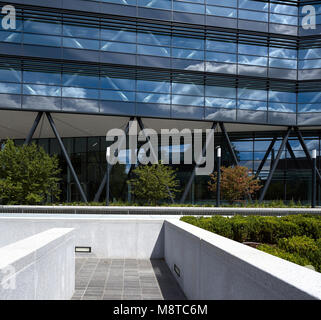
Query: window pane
(80, 93)
(220, 103)
(41, 77)
(160, 4)
(283, 63)
(80, 80)
(253, 15)
(81, 43)
(278, 96)
(252, 105)
(80, 32)
(187, 88)
(42, 27)
(220, 57)
(125, 96)
(118, 35)
(220, 91)
(252, 50)
(154, 51)
(153, 39)
(188, 100)
(42, 90)
(283, 53)
(117, 84)
(282, 107)
(13, 37)
(253, 60)
(188, 7)
(10, 88)
(221, 46)
(42, 40)
(221, 12)
(187, 54)
(153, 98)
(252, 94)
(118, 47)
(10, 75)
(153, 86)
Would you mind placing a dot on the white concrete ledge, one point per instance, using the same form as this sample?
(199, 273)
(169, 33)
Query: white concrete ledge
(41, 266)
(214, 267)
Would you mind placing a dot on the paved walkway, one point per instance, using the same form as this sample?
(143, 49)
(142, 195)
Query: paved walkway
(124, 279)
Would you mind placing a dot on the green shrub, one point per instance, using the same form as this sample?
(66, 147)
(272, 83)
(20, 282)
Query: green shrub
(295, 258)
(304, 247)
(190, 219)
(308, 225)
(221, 226)
(241, 228)
(295, 238)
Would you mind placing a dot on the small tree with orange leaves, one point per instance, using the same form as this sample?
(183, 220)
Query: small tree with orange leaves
(236, 183)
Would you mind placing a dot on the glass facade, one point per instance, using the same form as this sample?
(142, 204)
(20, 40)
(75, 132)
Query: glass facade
(235, 61)
(292, 179)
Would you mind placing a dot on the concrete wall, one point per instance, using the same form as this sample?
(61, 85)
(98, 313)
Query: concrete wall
(211, 266)
(40, 267)
(214, 267)
(108, 237)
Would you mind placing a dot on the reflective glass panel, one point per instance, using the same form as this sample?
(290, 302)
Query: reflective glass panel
(147, 97)
(126, 96)
(10, 88)
(33, 89)
(117, 84)
(121, 35)
(73, 92)
(153, 86)
(187, 88)
(188, 100)
(154, 51)
(41, 77)
(10, 75)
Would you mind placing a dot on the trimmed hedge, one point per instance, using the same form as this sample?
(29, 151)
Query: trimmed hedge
(296, 238)
(275, 251)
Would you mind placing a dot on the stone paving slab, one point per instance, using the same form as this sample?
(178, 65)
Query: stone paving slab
(124, 279)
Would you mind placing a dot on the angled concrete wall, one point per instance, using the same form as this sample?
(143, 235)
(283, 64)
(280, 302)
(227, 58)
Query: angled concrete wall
(40, 267)
(213, 267)
(109, 237)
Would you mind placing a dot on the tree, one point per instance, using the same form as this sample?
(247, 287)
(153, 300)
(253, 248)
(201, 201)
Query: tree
(236, 183)
(27, 174)
(153, 183)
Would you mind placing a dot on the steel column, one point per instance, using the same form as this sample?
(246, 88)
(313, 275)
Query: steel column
(64, 151)
(218, 184)
(306, 151)
(33, 128)
(191, 178)
(103, 182)
(265, 157)
(229, 144)
(314, 182)
(288, 146)
(275, 164)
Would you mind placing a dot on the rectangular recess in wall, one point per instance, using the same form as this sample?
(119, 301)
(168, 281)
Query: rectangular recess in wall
(83, 249)
(177, 270)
